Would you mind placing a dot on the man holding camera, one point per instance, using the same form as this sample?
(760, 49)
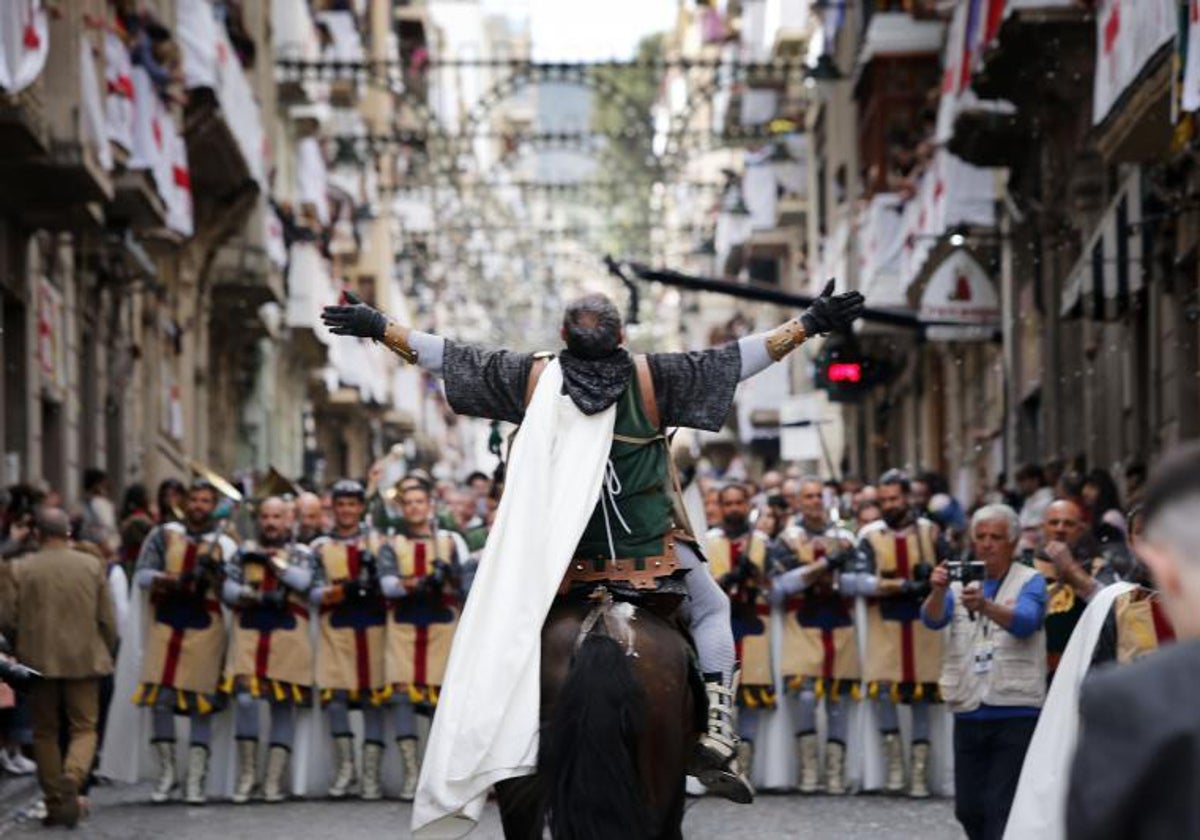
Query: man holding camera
(59, 606)
(419, 574)
(993, 671)
(270, 654)
(351, 638)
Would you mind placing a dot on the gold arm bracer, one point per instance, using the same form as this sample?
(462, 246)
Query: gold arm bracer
(784, 339)
(395, 338)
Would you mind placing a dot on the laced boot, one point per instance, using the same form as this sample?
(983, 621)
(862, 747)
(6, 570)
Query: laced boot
(167, 780)
(372, 763)
(715, 761)
(918, 783)
(346, 776)
(277, 762)
(893, 752)
(810, 775)
(247, 770)
(412, 770)
(197, 775)
(835, 768)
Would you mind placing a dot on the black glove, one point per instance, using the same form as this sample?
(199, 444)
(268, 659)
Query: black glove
(829, 312)
(275, 599)
(915, 588)
(838, 562)
(433, 582)
(354, 318)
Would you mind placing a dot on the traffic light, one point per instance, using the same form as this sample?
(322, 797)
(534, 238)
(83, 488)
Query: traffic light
(843, 371)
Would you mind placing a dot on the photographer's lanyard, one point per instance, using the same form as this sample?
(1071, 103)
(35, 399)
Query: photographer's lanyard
(984, 649)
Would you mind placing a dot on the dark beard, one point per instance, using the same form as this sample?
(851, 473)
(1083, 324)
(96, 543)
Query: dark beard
(896, 520)
(735, 526)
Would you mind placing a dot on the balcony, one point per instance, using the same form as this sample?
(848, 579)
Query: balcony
(788, 27)
(241, 275)
(345, 48)
(23, 129)
(309, 288)
(295, 38)
(222, 124)
(65, 185)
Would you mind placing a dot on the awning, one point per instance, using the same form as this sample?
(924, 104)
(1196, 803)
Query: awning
(209, 61)
(309, 289)
(1128, 34)
(24, 43)
(1111, 269)
(898, 33)
(961, 299)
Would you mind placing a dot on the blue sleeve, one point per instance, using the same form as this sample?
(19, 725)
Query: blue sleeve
(1030, 608)
(947, 614)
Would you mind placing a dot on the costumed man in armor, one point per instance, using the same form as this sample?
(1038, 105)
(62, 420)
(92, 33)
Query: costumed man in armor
(309, 518)
(180, 566)
(270, 654)
(350, 644)
(419, 573)
(896, 557)
(737, 559)
(636, 397)
(820, 647)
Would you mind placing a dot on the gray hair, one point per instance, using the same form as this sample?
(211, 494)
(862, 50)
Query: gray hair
(593, 326)
(995, 513)
(53, 522)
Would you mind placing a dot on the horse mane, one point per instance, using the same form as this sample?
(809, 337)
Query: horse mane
(589, 750)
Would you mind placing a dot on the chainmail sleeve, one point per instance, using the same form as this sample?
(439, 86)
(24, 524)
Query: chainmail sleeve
(486, 383)
(696, 389)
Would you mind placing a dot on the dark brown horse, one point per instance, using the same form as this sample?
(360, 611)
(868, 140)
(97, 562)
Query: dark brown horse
(617, 729)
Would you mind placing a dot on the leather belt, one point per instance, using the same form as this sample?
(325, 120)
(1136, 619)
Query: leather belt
(638, 572)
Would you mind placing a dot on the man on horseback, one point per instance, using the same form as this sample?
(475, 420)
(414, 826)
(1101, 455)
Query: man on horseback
(630, 530)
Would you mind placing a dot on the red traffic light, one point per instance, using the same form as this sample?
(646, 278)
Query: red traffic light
(844, 372)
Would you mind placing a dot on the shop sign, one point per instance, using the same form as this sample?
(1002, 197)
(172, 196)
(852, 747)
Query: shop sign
(960, 301)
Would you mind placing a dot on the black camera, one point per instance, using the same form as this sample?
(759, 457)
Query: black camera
(965, 571)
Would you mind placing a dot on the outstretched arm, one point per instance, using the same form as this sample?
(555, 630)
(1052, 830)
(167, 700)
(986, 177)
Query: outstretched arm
(356, 318)
(697, 389)
(479, 382)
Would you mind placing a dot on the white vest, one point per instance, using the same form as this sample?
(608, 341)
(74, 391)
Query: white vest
(1017, 676)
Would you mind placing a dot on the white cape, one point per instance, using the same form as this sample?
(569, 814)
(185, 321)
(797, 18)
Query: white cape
(1039, 808)
(486, 726)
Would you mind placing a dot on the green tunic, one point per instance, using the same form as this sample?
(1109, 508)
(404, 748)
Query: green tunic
(640, 464)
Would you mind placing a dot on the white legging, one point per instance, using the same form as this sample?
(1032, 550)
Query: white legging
(711, 627)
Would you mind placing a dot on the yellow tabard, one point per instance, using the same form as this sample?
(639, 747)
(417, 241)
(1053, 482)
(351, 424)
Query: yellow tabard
(1141, 625)
(751, 619)
(268, 643)
(184, 643)
(819, 641)
(900, 649)
(420, 630)
(350, 642)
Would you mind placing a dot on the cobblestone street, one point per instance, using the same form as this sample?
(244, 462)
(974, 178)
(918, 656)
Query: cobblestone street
(124, 812)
